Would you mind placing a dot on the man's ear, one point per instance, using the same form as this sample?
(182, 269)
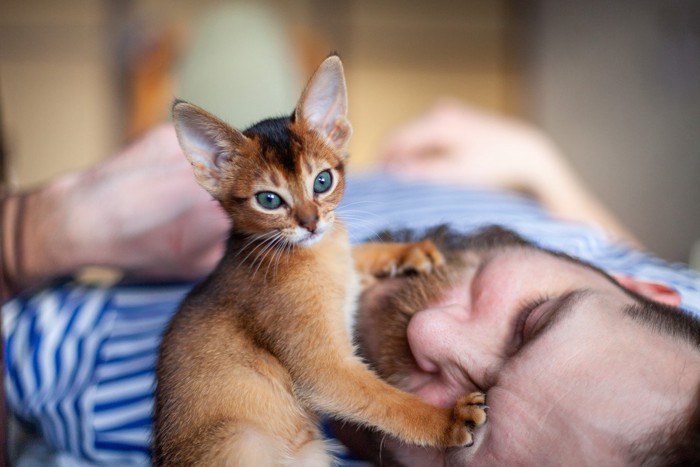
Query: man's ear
(208, 143)
(324, 104)
(652, 290)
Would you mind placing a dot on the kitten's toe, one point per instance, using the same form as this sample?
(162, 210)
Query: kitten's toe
(421, 257)
(469, 414)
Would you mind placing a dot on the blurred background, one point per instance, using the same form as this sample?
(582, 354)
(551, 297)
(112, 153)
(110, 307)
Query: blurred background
(616, 84)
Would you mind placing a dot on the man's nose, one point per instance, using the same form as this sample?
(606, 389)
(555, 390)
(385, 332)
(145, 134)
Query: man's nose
(434, 336)
(450, 338)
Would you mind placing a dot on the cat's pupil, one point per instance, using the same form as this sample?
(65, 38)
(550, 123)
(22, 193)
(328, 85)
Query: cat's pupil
(323, 182)
(268, 200)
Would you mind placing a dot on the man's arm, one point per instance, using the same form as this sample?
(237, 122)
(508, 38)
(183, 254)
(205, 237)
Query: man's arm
(459, 144)
(140, 212)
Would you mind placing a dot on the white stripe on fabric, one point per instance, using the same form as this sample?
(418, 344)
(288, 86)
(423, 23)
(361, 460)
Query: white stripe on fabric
(124, 348)
(125, 388)
(126, 414)
(130, 436)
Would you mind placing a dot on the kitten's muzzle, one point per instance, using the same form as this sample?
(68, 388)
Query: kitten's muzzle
(308, 218)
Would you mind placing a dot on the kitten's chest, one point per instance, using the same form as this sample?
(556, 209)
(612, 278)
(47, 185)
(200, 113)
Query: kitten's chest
(278, 270)
(340, 284)
(320, 280)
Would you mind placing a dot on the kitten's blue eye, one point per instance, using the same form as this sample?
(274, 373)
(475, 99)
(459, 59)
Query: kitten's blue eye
(269, 200)
(323, 182)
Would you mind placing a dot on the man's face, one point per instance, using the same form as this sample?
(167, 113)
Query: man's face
(566, 370)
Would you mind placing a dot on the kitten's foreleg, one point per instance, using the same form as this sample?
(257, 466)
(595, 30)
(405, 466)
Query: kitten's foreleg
(352, 392)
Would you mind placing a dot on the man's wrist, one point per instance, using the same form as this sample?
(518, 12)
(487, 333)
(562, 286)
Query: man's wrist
(49, 249)
(8, 240)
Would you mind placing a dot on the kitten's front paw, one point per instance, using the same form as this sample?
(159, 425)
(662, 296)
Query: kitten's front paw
(469, 413)
(419, 257)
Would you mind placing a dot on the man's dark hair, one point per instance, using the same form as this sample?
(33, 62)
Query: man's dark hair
(675, 445)
(678, 442)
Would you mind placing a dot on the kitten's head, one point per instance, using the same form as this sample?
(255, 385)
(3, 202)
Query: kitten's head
(282, 177)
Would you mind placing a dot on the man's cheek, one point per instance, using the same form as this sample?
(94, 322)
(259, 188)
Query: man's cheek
(516, 425)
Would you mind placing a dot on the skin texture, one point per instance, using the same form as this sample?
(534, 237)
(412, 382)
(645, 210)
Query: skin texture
(576, 381)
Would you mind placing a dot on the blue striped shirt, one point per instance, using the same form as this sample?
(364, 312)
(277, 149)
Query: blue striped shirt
(80, 360)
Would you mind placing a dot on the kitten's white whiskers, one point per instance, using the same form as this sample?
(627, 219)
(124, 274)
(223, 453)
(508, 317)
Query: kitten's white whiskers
(363, 223)
(364, 214)
(252, 239)
(276, 257)
(354, 203)
(260, 255)
(270, 248)
(281, 251)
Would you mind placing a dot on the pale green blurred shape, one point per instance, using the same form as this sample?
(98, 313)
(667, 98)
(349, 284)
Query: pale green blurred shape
(241, 65)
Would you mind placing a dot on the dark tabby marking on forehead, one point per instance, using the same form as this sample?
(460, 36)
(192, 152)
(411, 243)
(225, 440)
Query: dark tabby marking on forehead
(277, 142)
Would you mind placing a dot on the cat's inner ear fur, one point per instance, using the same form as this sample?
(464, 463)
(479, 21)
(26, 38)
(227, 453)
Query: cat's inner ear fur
(324, 103)
(208, 143)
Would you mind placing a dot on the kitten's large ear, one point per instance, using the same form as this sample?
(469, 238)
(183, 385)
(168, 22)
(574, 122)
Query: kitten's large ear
(324, 103)
(208, 143)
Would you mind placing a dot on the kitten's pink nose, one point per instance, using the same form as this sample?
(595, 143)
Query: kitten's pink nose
(310, 225)
(308, 218)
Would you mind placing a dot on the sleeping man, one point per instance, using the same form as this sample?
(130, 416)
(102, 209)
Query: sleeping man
(578, 370)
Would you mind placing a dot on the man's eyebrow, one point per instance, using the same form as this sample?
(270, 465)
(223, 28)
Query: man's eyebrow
(560, 308)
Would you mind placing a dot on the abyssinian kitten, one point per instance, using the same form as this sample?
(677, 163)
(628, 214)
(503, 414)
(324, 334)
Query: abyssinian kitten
(263, 345)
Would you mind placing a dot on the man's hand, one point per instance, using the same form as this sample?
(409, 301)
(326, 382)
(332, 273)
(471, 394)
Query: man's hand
(141, 212)
(464, 145)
